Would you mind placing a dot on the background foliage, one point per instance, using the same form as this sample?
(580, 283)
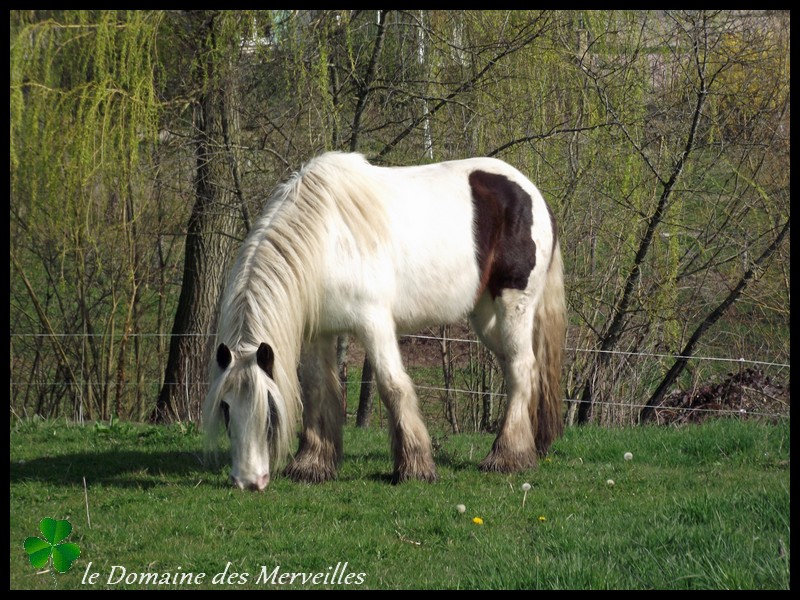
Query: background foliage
(660, 139)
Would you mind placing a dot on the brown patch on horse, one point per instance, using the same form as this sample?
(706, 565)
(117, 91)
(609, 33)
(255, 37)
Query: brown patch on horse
(506, 253)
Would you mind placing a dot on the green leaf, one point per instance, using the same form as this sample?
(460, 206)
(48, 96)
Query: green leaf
(38, 551)
(63, 555)
(55, 531)
(35, 544)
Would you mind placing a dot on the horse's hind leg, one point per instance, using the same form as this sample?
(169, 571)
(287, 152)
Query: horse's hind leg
(320, 449)
(486, 326)
(514, 448)
(411, 444)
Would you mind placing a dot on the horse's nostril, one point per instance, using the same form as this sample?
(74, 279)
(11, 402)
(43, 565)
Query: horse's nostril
(260, 484)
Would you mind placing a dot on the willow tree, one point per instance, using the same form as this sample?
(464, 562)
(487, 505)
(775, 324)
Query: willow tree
(83, 106)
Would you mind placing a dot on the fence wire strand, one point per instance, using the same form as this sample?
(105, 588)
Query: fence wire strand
(420, 387)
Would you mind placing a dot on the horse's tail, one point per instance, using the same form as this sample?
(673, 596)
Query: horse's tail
(549, 331)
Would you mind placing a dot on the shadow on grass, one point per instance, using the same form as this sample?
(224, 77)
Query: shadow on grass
(441, 458)
(131, 468)
(380, 477)
(119, 468)
(141, 469)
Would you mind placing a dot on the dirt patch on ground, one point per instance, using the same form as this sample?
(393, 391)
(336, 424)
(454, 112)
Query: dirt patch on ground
(749, 393)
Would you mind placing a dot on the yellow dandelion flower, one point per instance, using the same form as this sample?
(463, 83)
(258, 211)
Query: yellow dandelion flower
(477, 521)
(542, 518)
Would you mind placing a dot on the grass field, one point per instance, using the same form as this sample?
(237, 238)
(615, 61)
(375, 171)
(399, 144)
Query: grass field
(703, 507)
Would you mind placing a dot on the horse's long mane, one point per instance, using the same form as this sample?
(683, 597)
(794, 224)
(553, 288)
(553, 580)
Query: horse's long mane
(273, 292)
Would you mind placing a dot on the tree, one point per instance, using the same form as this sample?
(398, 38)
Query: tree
(680, 235)
(83, 114)
(213, 39)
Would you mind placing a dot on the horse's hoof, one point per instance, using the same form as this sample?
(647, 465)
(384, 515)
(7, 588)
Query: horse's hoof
(507, 462)
(429, 475)
(303, 472)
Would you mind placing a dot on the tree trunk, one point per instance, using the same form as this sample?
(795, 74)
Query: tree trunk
(486, 390)
(365, 396)
(211, 235)
(342, 342)
(447, 375)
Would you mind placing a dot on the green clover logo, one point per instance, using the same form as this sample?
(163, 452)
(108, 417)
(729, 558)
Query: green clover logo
(41, 550)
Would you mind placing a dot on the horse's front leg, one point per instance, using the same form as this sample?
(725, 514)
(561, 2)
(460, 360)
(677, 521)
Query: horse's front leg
(411, 444)
(320, 450)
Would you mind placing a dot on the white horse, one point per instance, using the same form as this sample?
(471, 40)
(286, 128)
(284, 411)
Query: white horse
(347, 247)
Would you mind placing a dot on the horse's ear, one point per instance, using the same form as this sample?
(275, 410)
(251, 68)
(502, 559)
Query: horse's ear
(224, 357)
(265, 358)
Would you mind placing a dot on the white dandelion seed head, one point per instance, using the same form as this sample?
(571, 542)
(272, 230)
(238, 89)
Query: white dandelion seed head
(628, 456)
(461, 508)
(610, 482)
(526, 486)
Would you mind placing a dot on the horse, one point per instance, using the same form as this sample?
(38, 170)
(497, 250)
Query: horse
(347, 247)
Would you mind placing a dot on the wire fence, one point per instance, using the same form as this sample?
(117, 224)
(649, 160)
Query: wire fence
(456, 379)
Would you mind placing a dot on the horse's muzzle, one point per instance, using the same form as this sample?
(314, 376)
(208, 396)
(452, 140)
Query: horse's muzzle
(258, 485)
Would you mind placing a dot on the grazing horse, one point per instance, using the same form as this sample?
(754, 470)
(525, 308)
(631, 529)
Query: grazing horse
(344, 246)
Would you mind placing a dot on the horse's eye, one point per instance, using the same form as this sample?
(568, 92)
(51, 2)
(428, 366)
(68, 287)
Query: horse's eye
(226, 414)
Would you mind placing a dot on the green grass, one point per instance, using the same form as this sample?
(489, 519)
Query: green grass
(698, 507)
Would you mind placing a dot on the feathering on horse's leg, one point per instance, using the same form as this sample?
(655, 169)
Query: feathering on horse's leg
(320, 449)
(514, 449)
(411, 444)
